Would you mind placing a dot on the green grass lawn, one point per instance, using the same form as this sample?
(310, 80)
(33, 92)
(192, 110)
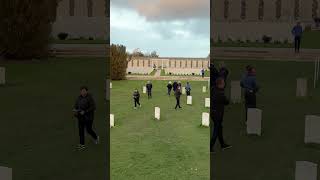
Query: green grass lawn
(142, 148)
(38, 133)
(273, 155)
(310, 40)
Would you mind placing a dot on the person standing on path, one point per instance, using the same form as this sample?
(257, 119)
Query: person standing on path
(297, 32)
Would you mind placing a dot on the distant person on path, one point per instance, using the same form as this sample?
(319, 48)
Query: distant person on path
(223, 73)
(250, 86)
(149, 89)
(84, 108)
(217, 113)
(297, 32)
(175, 86)
(202, 72)
(188, 89)
(178, 93)
(136, 98)
(169, 86)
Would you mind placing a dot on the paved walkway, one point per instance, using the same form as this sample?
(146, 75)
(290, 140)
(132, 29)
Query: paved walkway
(168, 78)
(279, 54)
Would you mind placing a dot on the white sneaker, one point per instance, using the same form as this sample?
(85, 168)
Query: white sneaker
(140, 105)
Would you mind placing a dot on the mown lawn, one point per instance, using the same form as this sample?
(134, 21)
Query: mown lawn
(142, 148)
(273, 155)
(38, 133)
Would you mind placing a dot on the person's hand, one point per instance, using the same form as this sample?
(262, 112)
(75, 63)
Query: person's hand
(82, 112)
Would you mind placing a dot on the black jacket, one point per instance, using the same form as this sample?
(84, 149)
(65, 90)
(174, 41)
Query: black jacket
(177, 93)
(86, 104)
(149, 86)
(175, 85)
(219, 100)
(169, 86)
(136, 95)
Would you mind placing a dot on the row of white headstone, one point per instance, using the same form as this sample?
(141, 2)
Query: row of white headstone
(2, 76)
(204, 121)
(204, 90)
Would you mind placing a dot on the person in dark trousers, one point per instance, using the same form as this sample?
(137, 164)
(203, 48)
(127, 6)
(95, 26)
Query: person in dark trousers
(219, 101)
(188, 89)
(178, 93)
(297, 32)
(84, 108)
(250, 86)
(202, 73)
(214, 74)
(175, 85)
(149, 89)
(136, 98)
(223, 73)
(169, 86)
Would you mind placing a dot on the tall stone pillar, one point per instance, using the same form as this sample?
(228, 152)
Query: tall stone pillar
(81, 9)
(270, 10)
(252, 10)
(287, 11)
(234, 10)
(306, 11)
(63, 9)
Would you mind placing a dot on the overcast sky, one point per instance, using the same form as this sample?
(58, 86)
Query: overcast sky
(173, 28)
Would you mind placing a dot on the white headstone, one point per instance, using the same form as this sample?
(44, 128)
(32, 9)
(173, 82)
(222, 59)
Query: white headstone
(302, 87)
(183, 90)
(111, 120)
(312, 129)
(204, 89)
(207, 102)
(205, 119)
(189, 100)
(306, 170)
(110, 85)
(157, 113)
(254, 121)
(2, 76)
(235, 92)
(5, 173)
(144, 89)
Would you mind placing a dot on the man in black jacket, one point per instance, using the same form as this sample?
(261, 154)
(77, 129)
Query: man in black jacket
(219, 100)
(84, 110)
(178, 93)
(169, 86)
(149, 89)
(175, 85)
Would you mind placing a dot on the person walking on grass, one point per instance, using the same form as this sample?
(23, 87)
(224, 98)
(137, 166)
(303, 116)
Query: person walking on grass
(174, 86)
(169, 86)
(188, 89)
(136, 98)
(84, 108)
(149, 89)
(250, 86)
(219, 101)
(297, 32)
(178, 93)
